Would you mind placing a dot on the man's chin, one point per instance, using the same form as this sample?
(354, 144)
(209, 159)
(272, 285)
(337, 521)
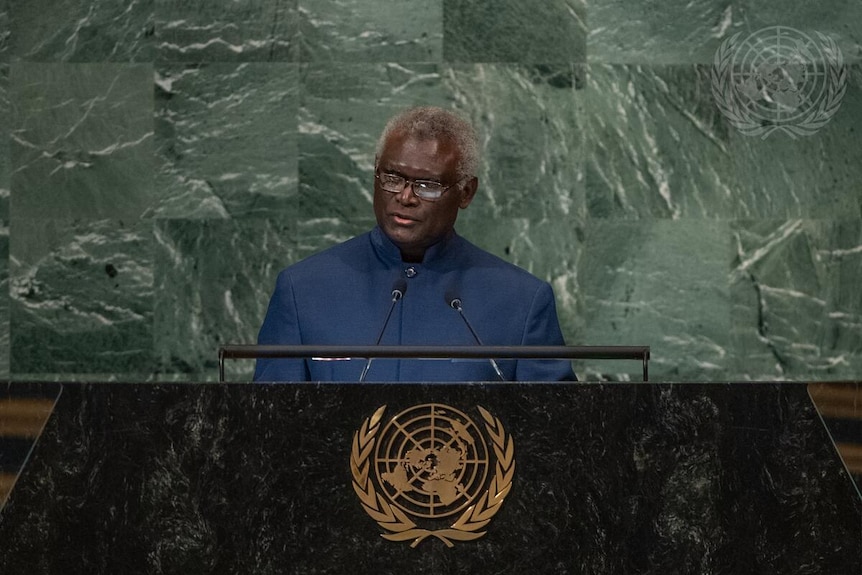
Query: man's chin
(405, 241)
(401, 239)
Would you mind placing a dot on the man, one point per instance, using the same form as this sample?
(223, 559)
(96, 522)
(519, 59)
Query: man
(425, 172)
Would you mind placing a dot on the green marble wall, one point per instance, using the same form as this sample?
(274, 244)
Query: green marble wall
(161, 160)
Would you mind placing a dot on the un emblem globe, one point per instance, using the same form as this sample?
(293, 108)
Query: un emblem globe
(778, 79)
(431, 460)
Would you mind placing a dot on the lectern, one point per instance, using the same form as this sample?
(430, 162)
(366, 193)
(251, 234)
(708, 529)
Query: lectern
(431, 478)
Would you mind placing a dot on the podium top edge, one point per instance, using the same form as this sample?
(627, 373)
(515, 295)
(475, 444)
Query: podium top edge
(434, 352)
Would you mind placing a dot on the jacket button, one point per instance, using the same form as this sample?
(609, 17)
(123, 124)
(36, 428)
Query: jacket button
(410, 272)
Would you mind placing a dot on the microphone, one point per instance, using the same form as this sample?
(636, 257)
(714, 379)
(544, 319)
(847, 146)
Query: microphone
(455, 303)
(399, 288)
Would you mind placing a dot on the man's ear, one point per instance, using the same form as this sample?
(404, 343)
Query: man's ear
(469, 192)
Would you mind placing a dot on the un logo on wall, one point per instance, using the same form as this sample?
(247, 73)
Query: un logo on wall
(778, 79)
(431, 471)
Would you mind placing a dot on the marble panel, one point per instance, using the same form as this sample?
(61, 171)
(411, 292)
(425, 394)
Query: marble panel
(152, 374)
(82, 30)
(226, 140)
(5, 175)
(514, 31)
(4, 303)
(81, 296)
(5, 30)
(659, 147)
(690, 31)
(658, 283)
(608, 479)
(4, 220)
(379, 31)
(797, 306)
(343, 110)
(817, 176)
(247, 31)
(213, 281)
(81, 140)
(531, 141)
(5, 136)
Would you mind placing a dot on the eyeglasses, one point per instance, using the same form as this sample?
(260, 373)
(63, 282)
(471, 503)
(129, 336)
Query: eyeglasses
(427, 190)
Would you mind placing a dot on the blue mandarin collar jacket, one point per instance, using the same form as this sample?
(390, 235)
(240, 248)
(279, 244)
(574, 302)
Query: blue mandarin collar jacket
(341, 296)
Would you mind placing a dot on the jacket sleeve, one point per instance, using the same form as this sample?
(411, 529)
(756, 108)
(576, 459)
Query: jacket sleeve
(281, 327)
(543, 328)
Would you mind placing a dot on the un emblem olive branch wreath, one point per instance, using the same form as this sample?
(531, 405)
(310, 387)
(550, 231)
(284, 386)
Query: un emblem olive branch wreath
(747, 122)
(399, 526)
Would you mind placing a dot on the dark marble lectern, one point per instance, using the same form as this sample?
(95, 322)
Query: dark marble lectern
(606, 479)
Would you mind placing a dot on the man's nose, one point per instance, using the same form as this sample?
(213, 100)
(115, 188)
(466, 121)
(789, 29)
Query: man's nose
(406, 196)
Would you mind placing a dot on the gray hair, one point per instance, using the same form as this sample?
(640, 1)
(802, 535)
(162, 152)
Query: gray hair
(430, 122)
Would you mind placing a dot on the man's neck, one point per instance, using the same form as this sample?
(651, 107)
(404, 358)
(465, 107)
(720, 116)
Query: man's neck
(412, 258)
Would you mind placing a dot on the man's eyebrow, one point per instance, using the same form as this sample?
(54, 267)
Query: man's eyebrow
(405, 176)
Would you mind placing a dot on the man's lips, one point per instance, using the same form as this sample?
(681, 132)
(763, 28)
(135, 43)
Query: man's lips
(402, 218)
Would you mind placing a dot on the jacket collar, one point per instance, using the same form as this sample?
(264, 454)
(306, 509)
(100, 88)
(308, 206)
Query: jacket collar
(389, 252)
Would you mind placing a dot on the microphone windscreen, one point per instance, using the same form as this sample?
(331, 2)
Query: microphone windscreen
(399, 286)
(452, 299)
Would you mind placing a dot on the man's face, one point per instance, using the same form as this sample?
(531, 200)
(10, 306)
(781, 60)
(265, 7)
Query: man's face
(411, 223)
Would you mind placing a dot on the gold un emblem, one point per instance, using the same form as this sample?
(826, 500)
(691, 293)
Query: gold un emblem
(427, 472)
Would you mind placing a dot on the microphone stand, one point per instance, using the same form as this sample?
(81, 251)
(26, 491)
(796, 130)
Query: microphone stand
(397, 294)
(455, 304)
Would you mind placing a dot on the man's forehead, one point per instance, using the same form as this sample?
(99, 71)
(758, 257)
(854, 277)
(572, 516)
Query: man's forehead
(438, 145)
